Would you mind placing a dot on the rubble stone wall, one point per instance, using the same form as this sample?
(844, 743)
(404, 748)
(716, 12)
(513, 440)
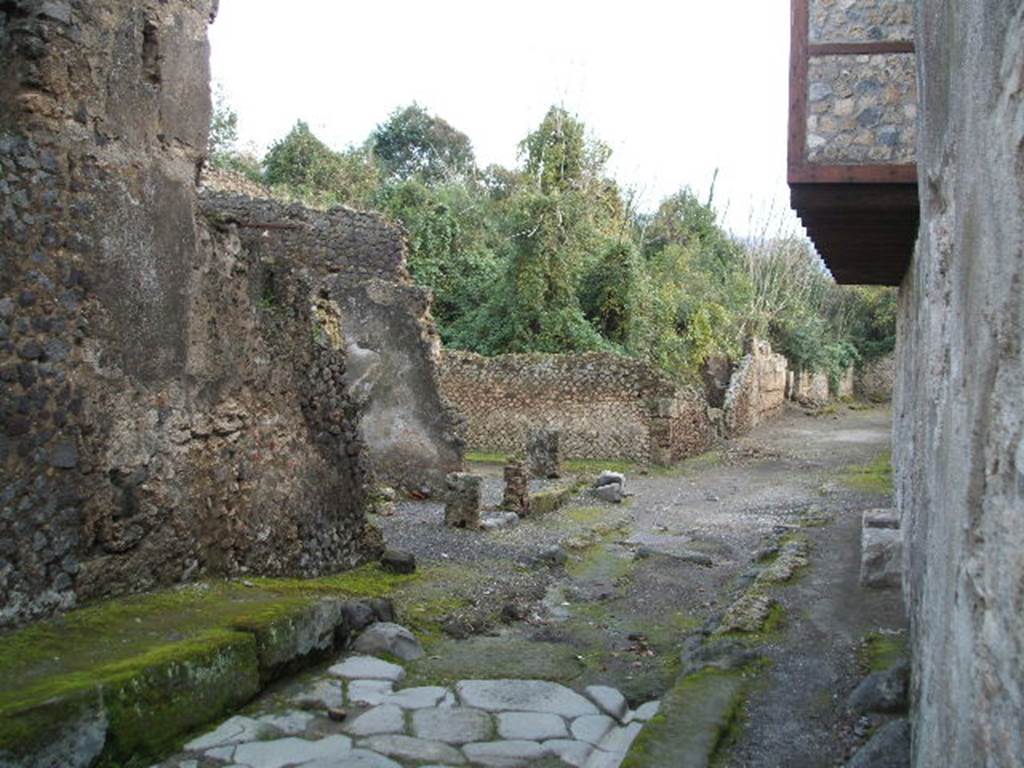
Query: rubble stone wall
(874, 379)
(842, 21)
(160, 418)
(959, 421)
(391, 345)
(757, 390)
(605, 406)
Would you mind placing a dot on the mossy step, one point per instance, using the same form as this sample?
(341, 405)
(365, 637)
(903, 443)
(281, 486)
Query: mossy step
(694, 718)
(140, 672)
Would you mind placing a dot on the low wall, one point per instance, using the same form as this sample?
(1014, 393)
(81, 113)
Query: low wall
(757, 390)
(605, 406)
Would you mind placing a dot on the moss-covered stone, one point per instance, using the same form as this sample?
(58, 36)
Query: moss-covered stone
(547, 501)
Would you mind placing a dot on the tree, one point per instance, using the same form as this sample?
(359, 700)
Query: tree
(223, 128)
(415, 144)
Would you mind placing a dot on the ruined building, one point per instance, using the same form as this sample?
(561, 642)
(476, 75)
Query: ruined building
(867, 138)
(185, 389)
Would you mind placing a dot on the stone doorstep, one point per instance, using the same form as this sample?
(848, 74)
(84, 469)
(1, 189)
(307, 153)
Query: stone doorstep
(880, 518)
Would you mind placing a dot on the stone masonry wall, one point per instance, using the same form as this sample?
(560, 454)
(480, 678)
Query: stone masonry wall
(157, 420)
(605, 406)
(874, 379)
(391, 345)
(959, 420)
(843, 21)
(757, 390)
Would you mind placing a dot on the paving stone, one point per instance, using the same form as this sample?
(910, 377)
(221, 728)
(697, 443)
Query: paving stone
(291, 751)
(620, 739)
(411, 748)
(523, 696)
(369, 693)
(188, 764)
(531, 726)
(609, 700)
(367, 668)
(221, 753)
(417, 698)
(357, 758)
(591, 728)
(234, 730)
(449, 700)
(324, 694)
(386, 637)
(574, 753)
(647, 711)
(383, 719)
(505, 754)
(290, 723)
(452, 725)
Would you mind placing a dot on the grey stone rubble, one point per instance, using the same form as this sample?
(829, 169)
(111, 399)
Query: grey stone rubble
(492, 723)
(387, 637)
(881, 555)
(544, 453)
(462, 509)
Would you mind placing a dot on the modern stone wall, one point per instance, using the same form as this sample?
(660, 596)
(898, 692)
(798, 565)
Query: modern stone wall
(874, 379)
(861, 109)
(166, 410)
(843, 21)
(757, 390)
(959, 419)
(605, 406)
(391, 344)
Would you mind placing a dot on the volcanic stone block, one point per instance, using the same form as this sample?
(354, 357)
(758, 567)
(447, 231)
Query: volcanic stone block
(462, 509)
(543, 452)
(517, 488)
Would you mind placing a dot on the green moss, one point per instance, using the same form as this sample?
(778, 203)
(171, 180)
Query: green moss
(695, 717)
(587, 515)
(496, 658)
(545, 502)
(599, 563)
(879, 652)
(874, 477)
(480, 457)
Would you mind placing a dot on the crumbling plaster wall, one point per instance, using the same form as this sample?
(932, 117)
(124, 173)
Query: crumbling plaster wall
(156, 421)
(959, 419)
(757, 389)
(391, 344)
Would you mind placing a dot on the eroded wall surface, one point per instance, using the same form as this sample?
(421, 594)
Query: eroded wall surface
(959, 414)
(757, 390)
(157, 422)
(392, 348)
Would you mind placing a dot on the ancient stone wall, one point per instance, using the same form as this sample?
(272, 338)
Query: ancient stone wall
(757, 390)
(391, 344)
(605, 406)
(959, 420)
(842, 21)
(159, 418)
(874, 379)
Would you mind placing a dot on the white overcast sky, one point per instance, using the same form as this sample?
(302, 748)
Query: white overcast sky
(677, 88)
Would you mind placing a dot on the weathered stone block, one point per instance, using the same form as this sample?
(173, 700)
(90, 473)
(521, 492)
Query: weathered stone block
(462, 507)
(543, 453)
(881, 557)
(516, 496)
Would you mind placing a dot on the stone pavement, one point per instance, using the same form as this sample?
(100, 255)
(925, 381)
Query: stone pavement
(499, 723)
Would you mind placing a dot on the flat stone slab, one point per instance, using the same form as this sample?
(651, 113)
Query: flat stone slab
(357, 758)
(574, 753)
(417, 698)
(591, 728)
(386, 718)
(410, 748)
(324, 694)
(620, 739)
(291, 751)
(369, 693)
(646, 711)
(289, 723)
(531, 726)
(452, 725)
(234, 730)
(505, 754)
(367, 668)
(601, 759)
(609, 700)
(523, 696)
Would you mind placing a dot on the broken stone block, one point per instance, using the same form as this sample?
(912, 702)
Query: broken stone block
(462, 509)
(881, 518)
(612, 493)
(607, 477)
(543, 453)
(396, 561)
(499, 521)
(387, 637)
(881, 557)
(517, 488)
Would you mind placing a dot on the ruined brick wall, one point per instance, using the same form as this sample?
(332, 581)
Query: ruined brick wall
(157, 421)
(959, 420)
(861, 109)
(606, 406)
(391, 345)
(757, 390)
(874, 379)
